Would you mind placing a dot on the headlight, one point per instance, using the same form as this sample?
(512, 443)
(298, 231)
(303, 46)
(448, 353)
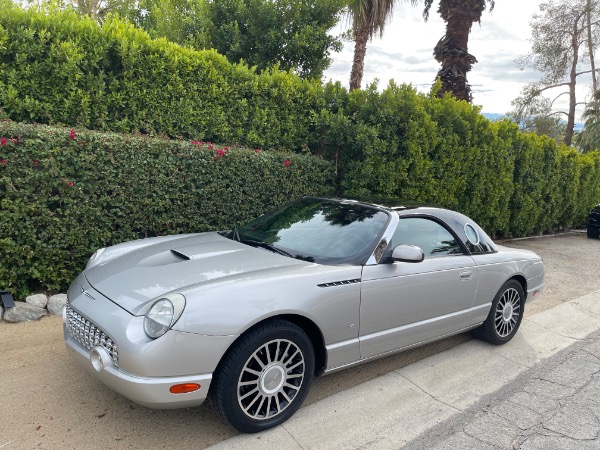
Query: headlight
(95, 256)
(163, 314)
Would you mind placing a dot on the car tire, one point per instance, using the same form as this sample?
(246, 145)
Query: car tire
(264, 378)
(593, 234)
(505, 315)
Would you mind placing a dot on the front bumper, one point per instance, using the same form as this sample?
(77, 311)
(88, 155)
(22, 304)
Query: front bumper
(139, 368)
(150, 392)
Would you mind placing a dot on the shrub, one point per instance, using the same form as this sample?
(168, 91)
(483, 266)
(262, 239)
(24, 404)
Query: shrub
(60, 68)
(64, 193)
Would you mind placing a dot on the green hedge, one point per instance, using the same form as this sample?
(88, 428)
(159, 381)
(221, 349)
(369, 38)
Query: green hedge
(61, 68)
(63, 197)
(399, 143)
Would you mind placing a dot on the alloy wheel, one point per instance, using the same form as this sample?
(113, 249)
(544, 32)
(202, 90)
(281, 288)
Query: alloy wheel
(270, 379)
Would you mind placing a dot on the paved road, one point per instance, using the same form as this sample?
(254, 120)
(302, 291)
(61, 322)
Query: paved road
(555, 405)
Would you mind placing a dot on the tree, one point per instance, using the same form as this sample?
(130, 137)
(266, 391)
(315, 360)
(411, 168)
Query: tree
(97, 9)
(559, 37)
(294, 34)
(184, 22)
(452, 49)
(368, 19)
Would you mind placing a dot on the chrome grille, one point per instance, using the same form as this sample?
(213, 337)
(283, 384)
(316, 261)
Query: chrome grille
(89, 335)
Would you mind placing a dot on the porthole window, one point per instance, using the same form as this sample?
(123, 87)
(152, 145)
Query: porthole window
(472, 234)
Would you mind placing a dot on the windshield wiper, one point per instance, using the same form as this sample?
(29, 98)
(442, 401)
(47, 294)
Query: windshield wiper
(265, 245)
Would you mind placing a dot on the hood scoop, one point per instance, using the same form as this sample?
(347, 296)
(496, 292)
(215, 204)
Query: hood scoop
(181, 255)
(202, 251)
(162, 259)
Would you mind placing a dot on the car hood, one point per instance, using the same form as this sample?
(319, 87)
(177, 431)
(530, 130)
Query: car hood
(173, 264)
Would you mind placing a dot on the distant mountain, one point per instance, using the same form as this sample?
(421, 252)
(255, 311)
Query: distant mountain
(493, 116)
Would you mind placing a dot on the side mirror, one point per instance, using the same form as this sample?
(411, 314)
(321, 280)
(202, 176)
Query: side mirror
(408, 253)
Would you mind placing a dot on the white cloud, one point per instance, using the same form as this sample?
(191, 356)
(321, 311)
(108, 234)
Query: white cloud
(405, 53)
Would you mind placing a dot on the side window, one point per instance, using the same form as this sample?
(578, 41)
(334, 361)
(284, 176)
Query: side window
(431, 237)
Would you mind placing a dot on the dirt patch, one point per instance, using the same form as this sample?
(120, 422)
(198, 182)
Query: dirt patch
(48, 401)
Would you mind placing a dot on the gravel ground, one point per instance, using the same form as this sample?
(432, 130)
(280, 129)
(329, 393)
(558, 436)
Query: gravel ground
(48, 401)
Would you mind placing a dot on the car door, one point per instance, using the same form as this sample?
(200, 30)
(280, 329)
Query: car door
(403, 304)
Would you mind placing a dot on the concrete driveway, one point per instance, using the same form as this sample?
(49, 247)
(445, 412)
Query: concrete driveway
(48, 401)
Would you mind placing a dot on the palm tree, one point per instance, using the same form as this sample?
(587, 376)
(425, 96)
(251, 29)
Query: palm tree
(368, 18)
(589, 138)
(452, 50)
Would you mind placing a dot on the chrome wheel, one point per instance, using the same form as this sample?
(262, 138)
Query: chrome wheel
(270, 379)
(505, 314)
(508, 311)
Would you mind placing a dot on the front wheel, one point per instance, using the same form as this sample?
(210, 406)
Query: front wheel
(505, 315)
(264, 378)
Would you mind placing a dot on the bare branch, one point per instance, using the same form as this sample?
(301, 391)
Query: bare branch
(557, 97)
(545, 88)
(586, 71)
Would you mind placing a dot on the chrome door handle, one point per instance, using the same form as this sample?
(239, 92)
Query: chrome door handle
(466, 275)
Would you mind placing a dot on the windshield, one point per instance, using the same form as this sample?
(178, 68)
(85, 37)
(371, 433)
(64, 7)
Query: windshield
(319, 230)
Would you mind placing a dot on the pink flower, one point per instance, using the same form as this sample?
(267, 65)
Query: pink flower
(15, 140)
(226, 149)
(195, 143)
(220, 153)
(70, 184)
(3, 142)
(287, 163)
(72, 134)
(256, 150)
(4, 162)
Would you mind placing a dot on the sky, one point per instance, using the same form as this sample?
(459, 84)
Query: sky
(405, 53)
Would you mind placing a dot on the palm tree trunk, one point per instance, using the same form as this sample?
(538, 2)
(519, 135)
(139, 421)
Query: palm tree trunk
(452, 50)
(358, 64)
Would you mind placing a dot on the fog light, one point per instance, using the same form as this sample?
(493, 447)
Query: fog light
(184, 388)
(100, 358)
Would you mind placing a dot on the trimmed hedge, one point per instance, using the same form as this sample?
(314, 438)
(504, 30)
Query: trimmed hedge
(399, 143)
(61, 68)
(65, 193)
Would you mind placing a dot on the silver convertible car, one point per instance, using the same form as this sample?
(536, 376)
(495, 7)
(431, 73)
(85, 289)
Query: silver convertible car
(249, 316)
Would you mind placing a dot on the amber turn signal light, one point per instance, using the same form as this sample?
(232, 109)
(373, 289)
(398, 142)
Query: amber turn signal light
(184, 388)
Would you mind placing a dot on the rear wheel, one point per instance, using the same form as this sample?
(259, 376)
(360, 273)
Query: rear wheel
(264, 378)
(505, 315)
